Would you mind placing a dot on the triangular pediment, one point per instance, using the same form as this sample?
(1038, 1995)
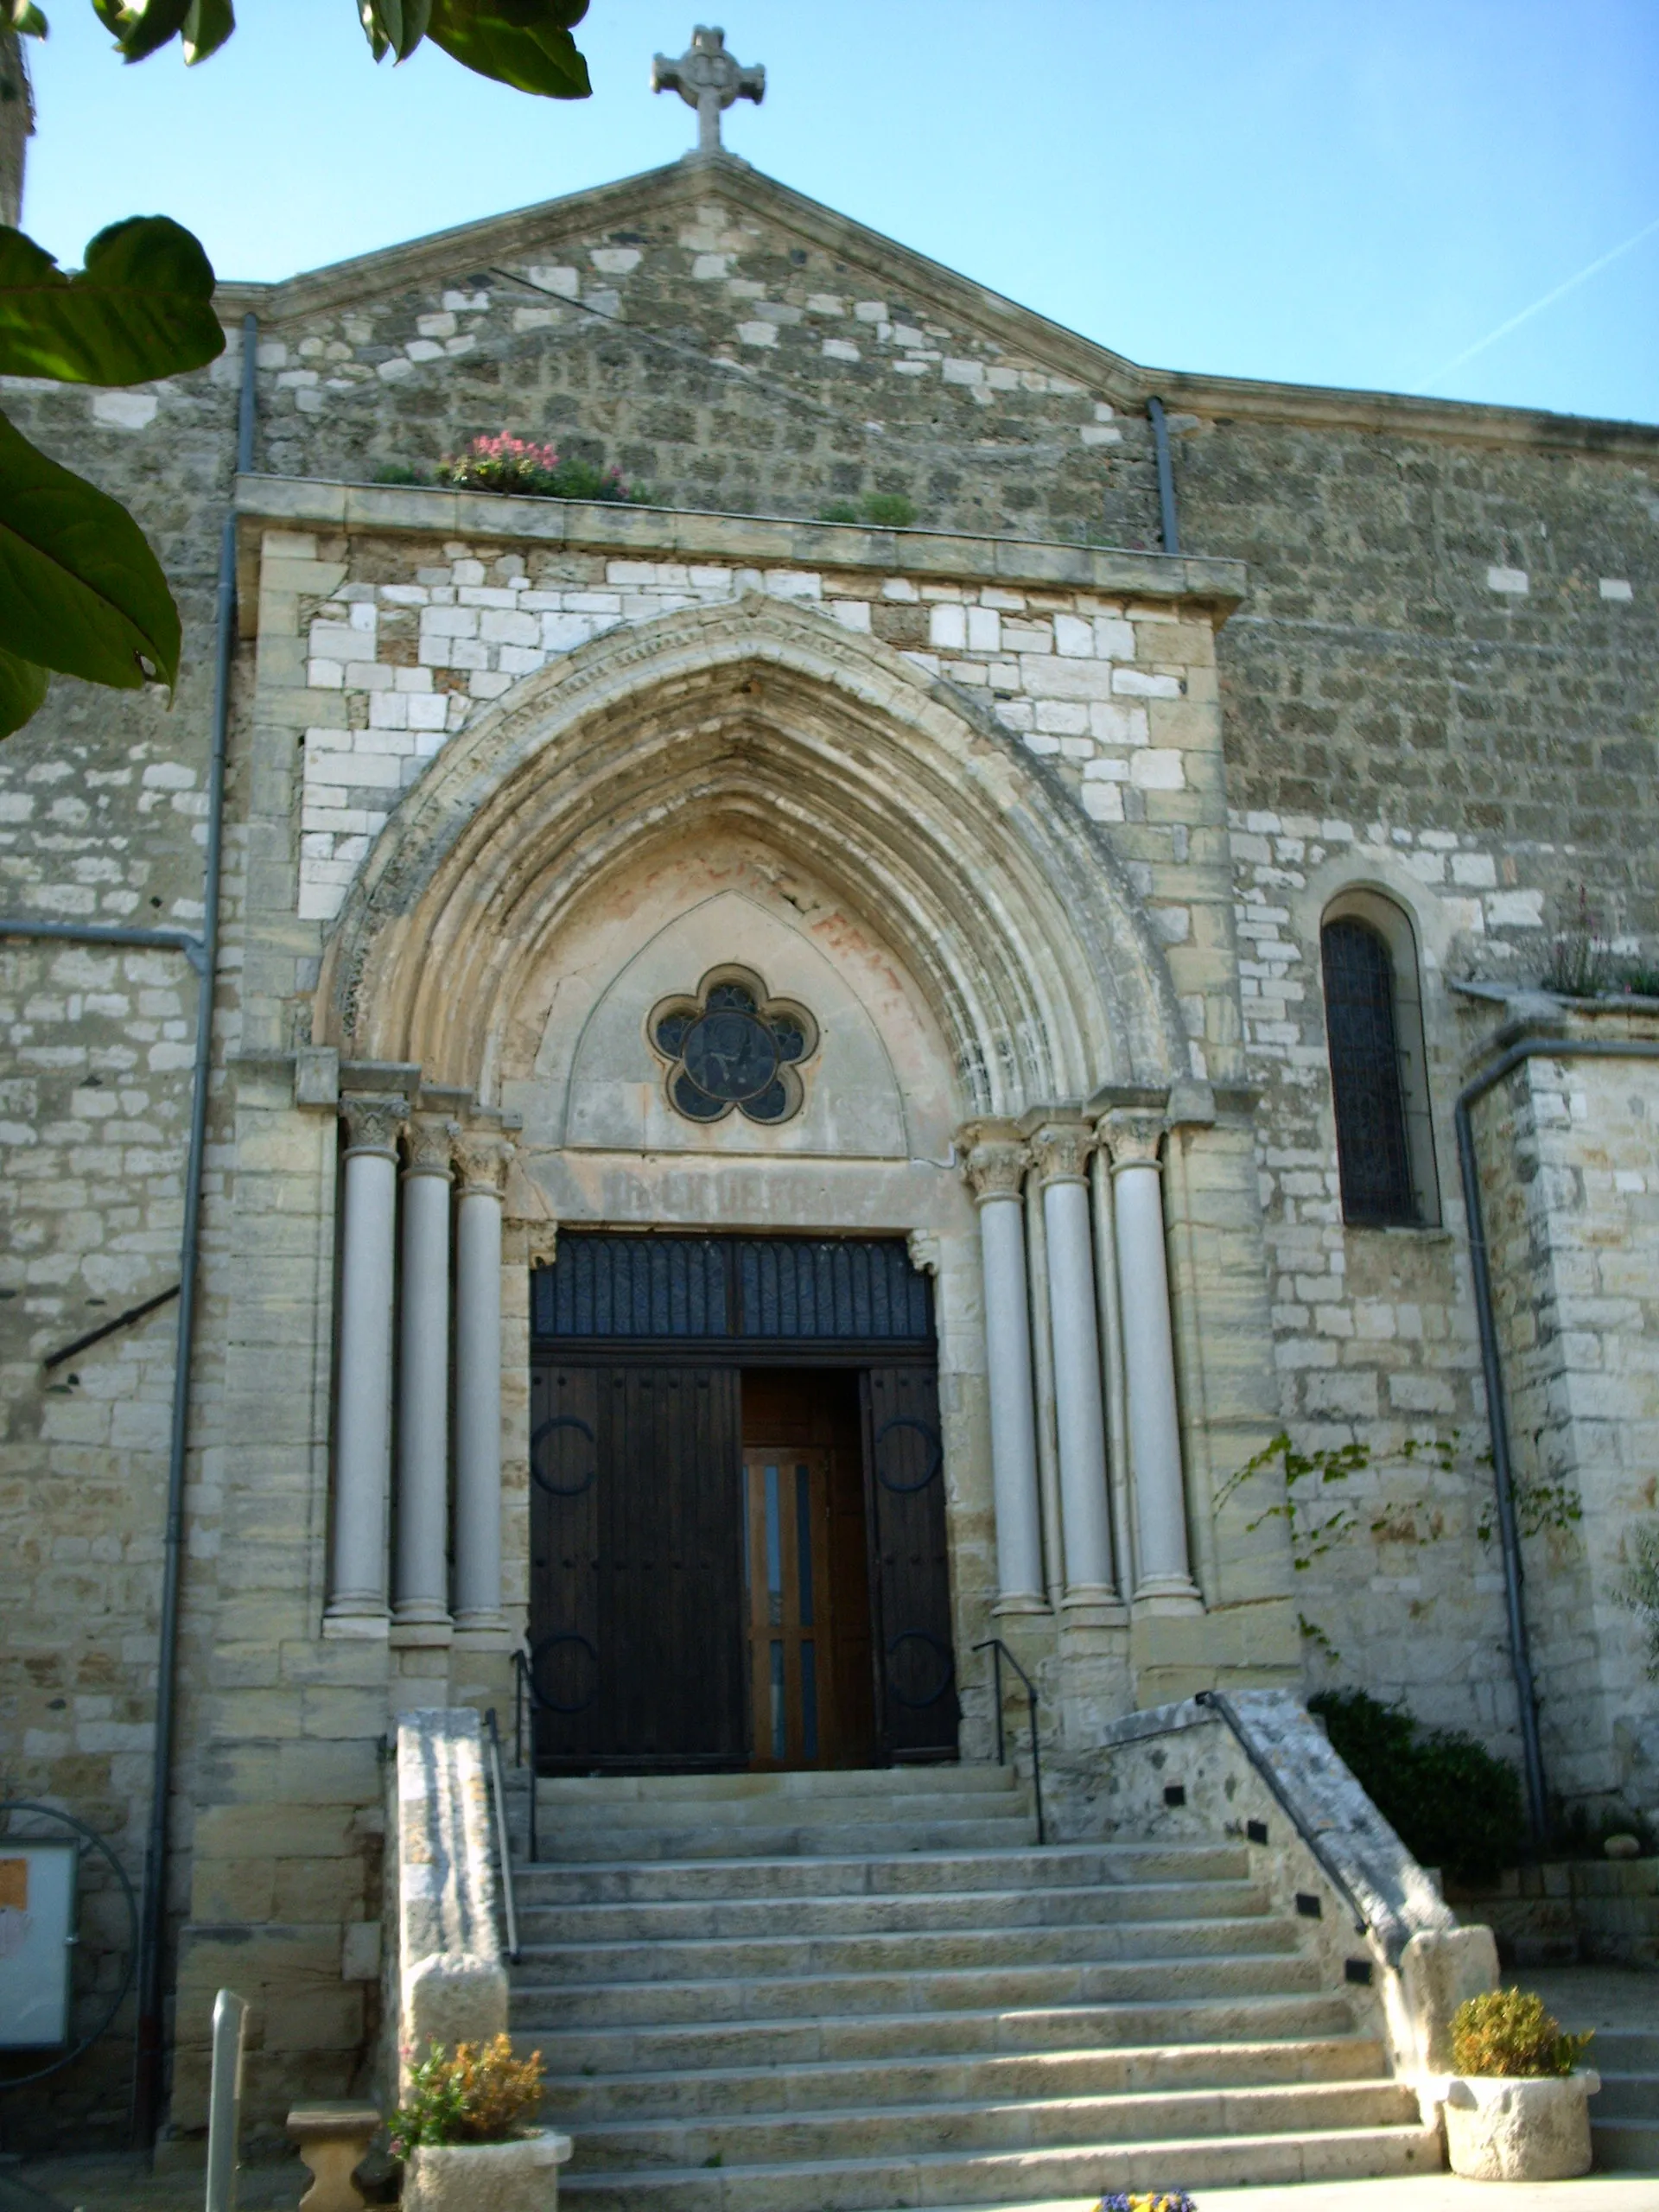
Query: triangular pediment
(716, 209)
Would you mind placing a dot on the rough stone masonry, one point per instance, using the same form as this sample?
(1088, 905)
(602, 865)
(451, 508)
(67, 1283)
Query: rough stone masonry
(1410, 657)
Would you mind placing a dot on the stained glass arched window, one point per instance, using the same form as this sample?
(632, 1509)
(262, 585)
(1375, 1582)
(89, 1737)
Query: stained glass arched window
(1373, 1141)
(729, 1046)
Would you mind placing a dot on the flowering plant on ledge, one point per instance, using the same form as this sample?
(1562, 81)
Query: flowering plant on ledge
(506, 464)
(1153, 2199)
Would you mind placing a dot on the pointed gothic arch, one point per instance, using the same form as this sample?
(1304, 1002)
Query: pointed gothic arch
(968, 855)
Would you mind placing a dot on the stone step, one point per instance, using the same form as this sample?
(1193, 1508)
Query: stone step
(596, 1839)
(1171, 1975)
(649, 1815)
(1015, 2124)
(893, 2038)
(682, 1920)
(662, 1790)
(1624, 2145)
(1628, 2050)
(1624, 2096)
(1023, 1868)
(800, 1958)
(580, 2101)
(1078, 2171)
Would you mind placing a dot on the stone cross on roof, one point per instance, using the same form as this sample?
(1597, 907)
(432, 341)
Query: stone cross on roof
(708, 78)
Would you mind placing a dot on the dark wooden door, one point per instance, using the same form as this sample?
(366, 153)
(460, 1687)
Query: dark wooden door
(637, 1584)
(910, 1576)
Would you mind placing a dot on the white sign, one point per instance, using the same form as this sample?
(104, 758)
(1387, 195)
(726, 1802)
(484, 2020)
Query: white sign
(37, 1927)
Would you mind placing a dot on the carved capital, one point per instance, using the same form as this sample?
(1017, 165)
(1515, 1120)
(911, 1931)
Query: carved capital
(429, 1144)
(482, 1156)
(1132, 1135)
(923, 1245)
(1060, 1151)
(372, 1121)
(994, 1160)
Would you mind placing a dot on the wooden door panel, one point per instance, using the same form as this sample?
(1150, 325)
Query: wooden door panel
(636, 1614)
(916, 1709)
(786, 1496)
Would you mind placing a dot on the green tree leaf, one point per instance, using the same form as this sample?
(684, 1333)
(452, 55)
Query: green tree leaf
(22, 690)
(142, 27)
(207, 27)
(24, 17)
(525, 43)
(81, 589)
(142, 307)
(399, 25)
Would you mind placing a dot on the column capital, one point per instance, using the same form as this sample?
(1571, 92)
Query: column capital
(430, 1144)
(1132, 1135)
(372, 1120)
(1060, 1147)
(482, 1156)
(994, 1159)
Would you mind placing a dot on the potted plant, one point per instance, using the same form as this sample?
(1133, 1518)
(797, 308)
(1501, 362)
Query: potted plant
(465, 2132)
(1150, 2200)
(1516, 2108)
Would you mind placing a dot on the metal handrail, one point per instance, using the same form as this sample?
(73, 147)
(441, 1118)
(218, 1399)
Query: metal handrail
(1219, 1703)
(503, 1838)
(523, 1689)
(998, 1652)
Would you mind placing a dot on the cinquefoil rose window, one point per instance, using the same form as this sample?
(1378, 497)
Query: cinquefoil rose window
(731, 1047)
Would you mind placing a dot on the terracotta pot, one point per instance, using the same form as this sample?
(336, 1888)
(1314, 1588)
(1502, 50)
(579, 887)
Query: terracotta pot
(1504, 2129)
(522, 2176)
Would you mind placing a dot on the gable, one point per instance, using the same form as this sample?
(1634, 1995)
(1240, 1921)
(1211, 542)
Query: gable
(723, 341)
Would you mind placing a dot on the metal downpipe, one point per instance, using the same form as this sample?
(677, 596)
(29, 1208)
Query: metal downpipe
(1168, 519)
(1556, 1048)
(150, 2052)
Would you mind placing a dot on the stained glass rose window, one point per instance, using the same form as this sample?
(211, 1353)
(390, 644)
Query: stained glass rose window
(731, 1047)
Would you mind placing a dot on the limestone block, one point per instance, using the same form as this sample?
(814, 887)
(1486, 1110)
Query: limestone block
(452, 1997)
(1499, 2130)
(1439, 1969)
(520, 2176)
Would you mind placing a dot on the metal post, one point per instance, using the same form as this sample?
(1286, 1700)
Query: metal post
(224, 2100)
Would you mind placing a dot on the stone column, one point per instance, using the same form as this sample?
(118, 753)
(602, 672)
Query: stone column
(1061, 1148)
(483, 1157)
(357, 1578)
(421, 1576)
(1165, 1581)
(994, 1165)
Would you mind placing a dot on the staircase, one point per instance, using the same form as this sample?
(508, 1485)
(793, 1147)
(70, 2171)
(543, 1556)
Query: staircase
(847, 1993)
(1624, 2117)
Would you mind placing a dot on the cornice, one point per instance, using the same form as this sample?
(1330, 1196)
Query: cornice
(680, 534)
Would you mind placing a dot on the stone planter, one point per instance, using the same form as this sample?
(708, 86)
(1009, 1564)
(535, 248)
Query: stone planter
(1504, 2129)
(518, 2176)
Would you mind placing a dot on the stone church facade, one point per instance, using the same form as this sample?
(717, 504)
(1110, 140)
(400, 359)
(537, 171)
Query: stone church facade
(604, 884)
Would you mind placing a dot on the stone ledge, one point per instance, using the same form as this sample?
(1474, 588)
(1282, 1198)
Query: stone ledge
(677, 533)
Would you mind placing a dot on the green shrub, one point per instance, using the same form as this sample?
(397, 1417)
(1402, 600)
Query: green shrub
(1452, 1803)
(509, 465)
(483, 2095)
(399, 471)
(880, 510)
(1507, 2033)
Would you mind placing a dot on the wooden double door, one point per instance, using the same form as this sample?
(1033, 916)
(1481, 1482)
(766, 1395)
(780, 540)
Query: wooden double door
(736, 1567)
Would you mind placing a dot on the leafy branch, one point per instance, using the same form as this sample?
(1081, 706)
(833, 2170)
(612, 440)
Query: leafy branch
(81, 591)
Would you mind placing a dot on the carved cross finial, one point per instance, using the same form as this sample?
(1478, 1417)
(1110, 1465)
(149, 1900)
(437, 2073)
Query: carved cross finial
(708, 78)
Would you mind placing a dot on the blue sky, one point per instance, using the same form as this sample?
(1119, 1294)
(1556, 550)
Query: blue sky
(1317, 190)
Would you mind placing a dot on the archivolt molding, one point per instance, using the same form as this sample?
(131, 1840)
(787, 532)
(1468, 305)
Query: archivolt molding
(893, 787)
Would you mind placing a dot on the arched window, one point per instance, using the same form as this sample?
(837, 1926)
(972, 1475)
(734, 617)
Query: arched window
(1374, 1029)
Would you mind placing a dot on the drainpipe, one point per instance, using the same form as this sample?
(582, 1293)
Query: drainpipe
(1165, 477)
(149, 2055)
(1528, 1048)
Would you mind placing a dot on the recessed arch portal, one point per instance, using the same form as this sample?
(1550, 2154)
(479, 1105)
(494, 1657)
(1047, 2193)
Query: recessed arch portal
(963, 854)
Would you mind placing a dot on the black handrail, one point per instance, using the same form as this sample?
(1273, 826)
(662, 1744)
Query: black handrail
(503, 1839)
(524, 1688)
(1222, 1706)
(998, 1652)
